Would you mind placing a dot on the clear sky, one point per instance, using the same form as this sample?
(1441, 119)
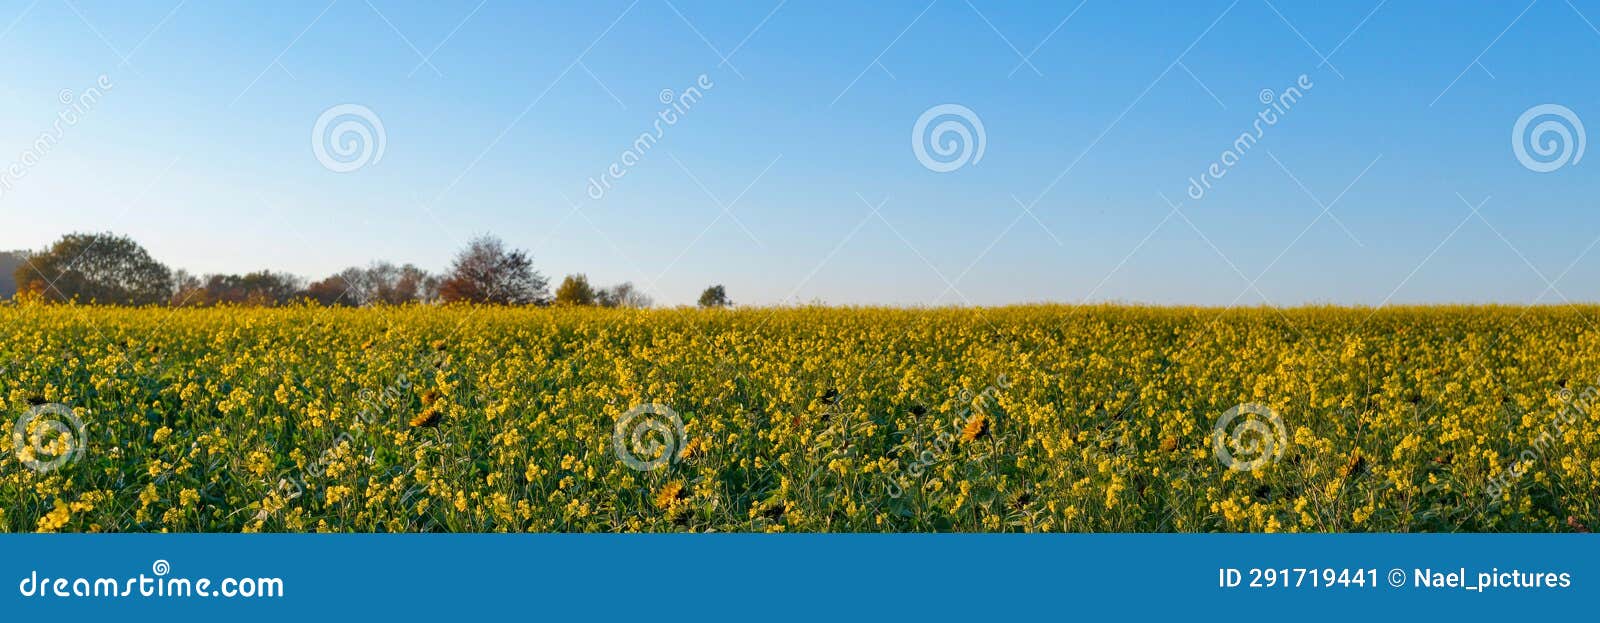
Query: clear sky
(794, 176)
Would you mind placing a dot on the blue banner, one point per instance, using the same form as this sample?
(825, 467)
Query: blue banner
(794, 577)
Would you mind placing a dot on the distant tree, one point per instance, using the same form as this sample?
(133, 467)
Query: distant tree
(10, 261)
(715, 296)
(186, 288)
(380, 283)
(101, 268)
(623, 295)
(260, 289)
(485, 272)
(575, 290)
(370, 285)
(267, 288)
(333, 291)
(415, 285)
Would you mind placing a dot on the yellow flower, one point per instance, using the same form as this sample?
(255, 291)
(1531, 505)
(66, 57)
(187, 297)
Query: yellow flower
(336, 493)
(669, 495)
(976, 428)
(690, 450)
(429, 418)
(1391, 418)
(56, 519)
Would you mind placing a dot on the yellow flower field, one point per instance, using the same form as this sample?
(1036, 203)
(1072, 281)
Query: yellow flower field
(1039, 418)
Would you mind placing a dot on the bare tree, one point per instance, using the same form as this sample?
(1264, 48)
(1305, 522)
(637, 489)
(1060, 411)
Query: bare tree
(261, 288)
(623, 295)
(416, 285)
(186, 287)
(380, 283)
(333, 291)
(485, 272)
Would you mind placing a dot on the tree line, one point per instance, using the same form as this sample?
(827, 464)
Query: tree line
(109, 269)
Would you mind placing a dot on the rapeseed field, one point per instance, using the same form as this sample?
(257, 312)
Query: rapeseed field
(1029, 418)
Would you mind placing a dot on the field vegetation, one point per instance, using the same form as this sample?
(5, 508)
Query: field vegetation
(421, 418)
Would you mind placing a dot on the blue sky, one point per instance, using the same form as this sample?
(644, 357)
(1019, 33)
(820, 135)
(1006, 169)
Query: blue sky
(202, 148)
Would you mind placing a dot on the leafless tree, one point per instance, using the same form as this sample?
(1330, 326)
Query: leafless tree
(486, 272)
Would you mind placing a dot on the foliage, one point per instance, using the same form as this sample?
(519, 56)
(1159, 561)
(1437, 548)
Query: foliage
(715, 296)
(10, 261)
(95, 268)
(575, 290)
